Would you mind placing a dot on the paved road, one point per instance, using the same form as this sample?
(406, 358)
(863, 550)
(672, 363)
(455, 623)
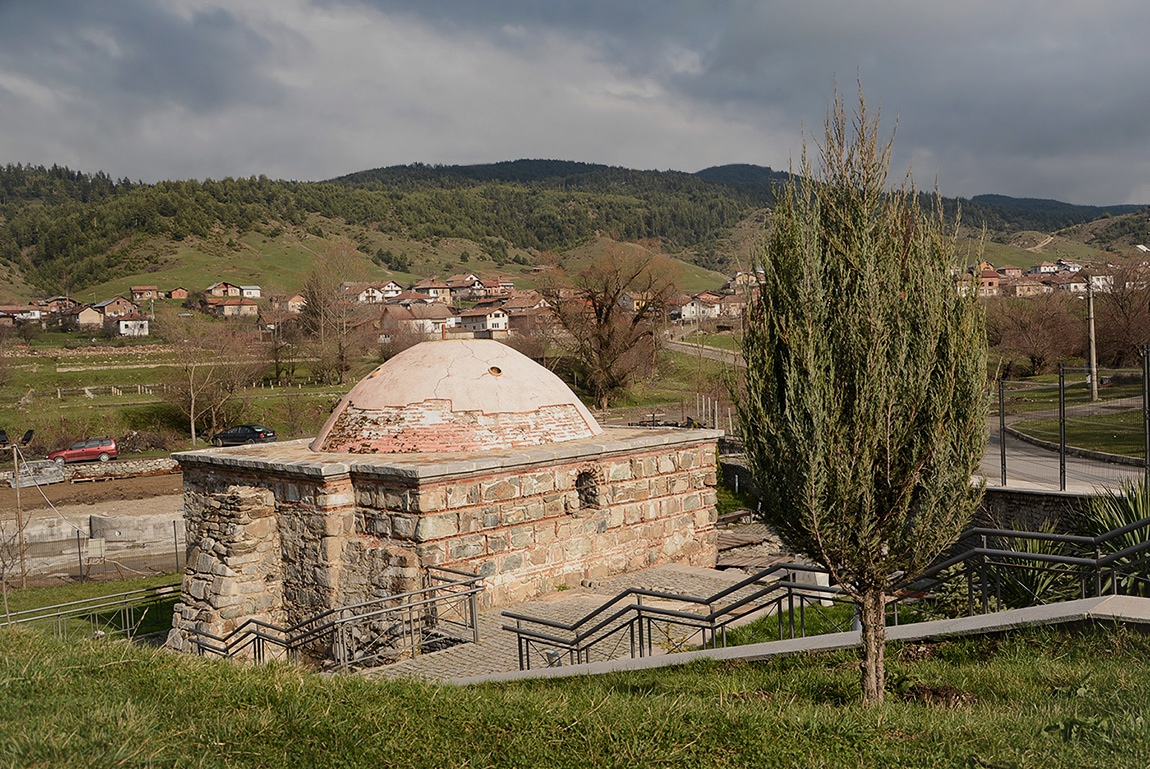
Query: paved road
(710, 353)
(1029, 466)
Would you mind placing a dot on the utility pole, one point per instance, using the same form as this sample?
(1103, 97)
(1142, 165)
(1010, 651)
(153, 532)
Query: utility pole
(1093, 347)
(19, 515)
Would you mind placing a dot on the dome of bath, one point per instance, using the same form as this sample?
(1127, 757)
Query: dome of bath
(457, 395)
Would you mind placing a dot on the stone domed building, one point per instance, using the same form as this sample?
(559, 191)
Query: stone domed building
(462, 454)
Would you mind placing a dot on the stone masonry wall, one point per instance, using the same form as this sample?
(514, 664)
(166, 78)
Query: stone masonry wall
(528, 533)
(234, 569)
(283, 546)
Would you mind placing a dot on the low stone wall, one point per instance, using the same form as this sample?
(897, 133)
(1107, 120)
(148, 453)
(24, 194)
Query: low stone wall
(116, 468)
(1028, 510)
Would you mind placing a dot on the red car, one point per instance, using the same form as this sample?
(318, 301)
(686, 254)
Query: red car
(92, 449)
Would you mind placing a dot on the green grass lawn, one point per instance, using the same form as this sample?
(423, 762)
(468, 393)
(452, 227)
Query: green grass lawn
(1036, 698)
(1116, 433)
(722, 341)
(1041, 393)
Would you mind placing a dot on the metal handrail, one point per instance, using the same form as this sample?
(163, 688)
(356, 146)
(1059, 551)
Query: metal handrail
(578, 637)
(594, 628)
(88, 605)
(254, 633)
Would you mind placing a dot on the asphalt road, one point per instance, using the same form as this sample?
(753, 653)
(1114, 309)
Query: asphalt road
(1028, 466)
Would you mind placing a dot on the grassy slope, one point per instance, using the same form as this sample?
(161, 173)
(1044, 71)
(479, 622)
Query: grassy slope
(1030, 699)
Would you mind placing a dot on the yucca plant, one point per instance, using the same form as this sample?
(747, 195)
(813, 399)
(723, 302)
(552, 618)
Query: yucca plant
(1022, 581)
(1112, 510)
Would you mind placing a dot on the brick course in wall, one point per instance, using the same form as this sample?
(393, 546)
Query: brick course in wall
(348, 528)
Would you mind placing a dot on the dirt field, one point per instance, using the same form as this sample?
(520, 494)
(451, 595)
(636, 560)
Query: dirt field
(113, 497)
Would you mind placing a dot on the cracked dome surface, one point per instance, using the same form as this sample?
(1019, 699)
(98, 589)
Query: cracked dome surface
(452, 396)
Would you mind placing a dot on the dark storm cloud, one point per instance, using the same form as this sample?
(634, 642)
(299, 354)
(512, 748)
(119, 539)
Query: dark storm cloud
(131, 55)
(1044, 98)
(1020, 85)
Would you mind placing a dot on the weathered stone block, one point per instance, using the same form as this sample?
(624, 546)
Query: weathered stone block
(619, 471)
(522, 536)
(436, 526)
(462, 495)
(537, 483)
(499, 490)
(403, 526)
(467, 547)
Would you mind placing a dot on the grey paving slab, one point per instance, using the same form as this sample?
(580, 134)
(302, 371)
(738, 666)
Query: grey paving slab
(497, 650)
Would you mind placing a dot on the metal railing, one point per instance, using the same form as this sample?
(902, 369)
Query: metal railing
(117, 614)
(366, 634)
(1007, 568)
(628, 623)
(1002, 569)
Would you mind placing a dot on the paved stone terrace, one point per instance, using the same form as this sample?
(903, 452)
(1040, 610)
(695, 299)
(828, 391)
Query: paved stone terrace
(497, 651)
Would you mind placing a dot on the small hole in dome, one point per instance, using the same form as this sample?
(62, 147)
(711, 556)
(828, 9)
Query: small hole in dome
(495, 371)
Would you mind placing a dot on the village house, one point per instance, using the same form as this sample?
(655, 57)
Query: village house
(433, 288)
(462, 286)
(701, 307)
(1099, 281)
(743, 279)
(117, 305)
(290, 303)
(29, 313)
(732, 305)
(250, 292)
(524, 300)
(230, 307)
(145, 293)
(633, 302)
(988, 281)
(1071, 283)
(409, 298)
(223, 289)
(425, 320)
(82, 318)
(1026, 285)
(179, 292)
(131, 325)
(1009, 271)
(484, 320)
(56, 305)
(1043, 268)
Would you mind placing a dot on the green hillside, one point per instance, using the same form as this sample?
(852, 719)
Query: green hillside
(64, 231)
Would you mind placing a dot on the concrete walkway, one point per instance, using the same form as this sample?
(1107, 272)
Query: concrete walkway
(497, 650)
(495, 657)
(1116, 608)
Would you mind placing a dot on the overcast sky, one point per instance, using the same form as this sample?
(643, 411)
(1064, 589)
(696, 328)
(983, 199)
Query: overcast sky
(1032, 98)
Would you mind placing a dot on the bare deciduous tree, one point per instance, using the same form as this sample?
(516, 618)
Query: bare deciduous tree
(1043, 329)
(610, 313)
(217, 360)
(337, 330)
(1123, 316)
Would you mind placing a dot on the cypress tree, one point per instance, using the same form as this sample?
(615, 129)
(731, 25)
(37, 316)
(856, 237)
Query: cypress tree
(862, 406)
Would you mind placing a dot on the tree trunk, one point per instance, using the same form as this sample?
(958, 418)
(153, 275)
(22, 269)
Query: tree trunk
(872, 615)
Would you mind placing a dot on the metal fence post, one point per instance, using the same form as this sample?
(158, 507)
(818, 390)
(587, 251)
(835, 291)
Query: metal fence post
(1062, 427)
(1146, 412)
(1002, 425)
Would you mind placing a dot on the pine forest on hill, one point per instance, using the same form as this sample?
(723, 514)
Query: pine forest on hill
(64, 231)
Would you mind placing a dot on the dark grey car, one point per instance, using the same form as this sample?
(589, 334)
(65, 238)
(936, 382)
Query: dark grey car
(241, 434)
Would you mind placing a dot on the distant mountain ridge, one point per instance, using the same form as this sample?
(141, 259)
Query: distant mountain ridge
(62, 230)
